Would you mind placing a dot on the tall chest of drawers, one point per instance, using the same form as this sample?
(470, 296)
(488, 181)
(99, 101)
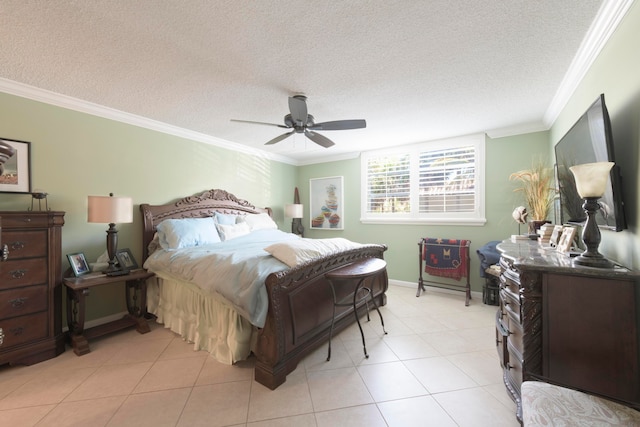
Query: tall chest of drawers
(574, 326)
(31, 287)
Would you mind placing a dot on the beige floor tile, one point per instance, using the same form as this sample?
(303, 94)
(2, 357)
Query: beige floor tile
(478, 409)
(156, 409)
(306, 420)
(49, 387)
(358, 416)
(94, 413)
(437, 374)
(317, 360)
(337, 388)
(178, 348)
(110, 380)
(144, 350)
(390, 381)
(408, 347)
(377, 348)
(421, 411)
(291, 398)
(171, 373)
(217, 405)
(24, 417)
(214, 372)
(481, 366)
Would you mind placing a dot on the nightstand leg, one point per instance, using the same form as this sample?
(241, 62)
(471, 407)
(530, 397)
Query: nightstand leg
(75, 320)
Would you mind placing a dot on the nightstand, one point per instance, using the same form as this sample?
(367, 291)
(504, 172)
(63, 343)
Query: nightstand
(78, 288)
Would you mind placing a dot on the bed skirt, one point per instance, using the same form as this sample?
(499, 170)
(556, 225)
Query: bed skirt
(209, 323)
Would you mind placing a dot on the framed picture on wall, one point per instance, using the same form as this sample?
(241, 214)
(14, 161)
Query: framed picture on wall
(326, 203)
(15, 166)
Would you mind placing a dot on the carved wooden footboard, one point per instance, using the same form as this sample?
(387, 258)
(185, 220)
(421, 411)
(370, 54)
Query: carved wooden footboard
(300, 311)
(300, 299)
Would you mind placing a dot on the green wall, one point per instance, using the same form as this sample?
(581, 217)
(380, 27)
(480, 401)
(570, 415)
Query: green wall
(503, 157)
(75, 155)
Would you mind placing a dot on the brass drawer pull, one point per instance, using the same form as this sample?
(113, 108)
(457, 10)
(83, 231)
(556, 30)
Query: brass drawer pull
(17, 302)
(17, 245)
(17, 274)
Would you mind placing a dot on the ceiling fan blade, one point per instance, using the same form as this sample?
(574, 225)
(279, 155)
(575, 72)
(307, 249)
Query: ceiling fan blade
(319, 139)
(260, 123)
(339, 125)
(298, 109)
(280, 138)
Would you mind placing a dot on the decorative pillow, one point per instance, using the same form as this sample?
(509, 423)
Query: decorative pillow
(187, 232)
(228, 232)
(226, 219)
(259, 222)
(298, 251)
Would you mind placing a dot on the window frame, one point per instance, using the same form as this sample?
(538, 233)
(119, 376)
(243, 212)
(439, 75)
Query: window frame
(473, 218)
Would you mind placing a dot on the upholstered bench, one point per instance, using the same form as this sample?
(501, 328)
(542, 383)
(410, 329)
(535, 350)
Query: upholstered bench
(547, 405)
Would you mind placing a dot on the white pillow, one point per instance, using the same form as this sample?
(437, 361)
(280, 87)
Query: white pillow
(187, 232)
(228, 232)
(260, 222)
(226, 219)
(298, 251)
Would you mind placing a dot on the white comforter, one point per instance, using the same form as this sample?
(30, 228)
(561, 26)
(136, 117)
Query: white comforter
(235, 269)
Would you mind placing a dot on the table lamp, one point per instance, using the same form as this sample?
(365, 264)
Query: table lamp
(295, 211)
(591, 183)
(110, 210)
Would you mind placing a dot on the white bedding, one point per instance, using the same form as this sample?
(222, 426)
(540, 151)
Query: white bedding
(235, 270)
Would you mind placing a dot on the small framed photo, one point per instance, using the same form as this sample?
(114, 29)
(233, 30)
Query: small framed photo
(78, 264)
(566, 240)
(126, 260)
(556, 234)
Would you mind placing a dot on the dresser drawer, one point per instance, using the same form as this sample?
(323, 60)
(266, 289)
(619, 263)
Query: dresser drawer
(23, 329)
(15, 273)
(25, 244)
(26, 219)
(515, 333)
(21, 301)
(514, 371)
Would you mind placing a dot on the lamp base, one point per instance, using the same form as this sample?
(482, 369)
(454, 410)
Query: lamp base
(597, 261)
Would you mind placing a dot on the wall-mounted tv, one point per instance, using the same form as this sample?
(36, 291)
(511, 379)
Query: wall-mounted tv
(589, 140)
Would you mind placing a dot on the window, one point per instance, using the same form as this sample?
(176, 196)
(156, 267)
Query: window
(434, 182)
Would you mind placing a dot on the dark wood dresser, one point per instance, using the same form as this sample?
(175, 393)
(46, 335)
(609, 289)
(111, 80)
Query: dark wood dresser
(574, 326)
(31, 287)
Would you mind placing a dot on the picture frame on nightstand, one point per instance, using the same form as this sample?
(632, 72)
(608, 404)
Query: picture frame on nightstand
(566, 240)
(126, 260)
(79, 264)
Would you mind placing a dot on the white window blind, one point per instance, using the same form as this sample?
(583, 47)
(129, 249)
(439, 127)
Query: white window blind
(435, 182)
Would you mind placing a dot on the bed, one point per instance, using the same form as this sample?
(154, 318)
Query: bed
(299, 304)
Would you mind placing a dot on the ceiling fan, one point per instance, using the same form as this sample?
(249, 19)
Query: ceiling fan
(299, 121)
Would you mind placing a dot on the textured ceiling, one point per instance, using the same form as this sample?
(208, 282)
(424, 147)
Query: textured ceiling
(415, 70)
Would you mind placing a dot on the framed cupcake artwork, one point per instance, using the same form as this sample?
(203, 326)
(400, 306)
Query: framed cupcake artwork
(327, 203)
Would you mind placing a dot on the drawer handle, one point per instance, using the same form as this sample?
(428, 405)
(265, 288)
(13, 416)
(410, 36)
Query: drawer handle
(4, 252)
(17, 331)
(1, 336)
(17, 274)
(17, 302)
(17, 245)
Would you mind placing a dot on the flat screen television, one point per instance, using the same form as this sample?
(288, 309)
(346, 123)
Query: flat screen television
(589, 140)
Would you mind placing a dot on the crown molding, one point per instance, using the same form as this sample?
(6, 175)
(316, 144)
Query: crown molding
(70, 103)
(607, 20)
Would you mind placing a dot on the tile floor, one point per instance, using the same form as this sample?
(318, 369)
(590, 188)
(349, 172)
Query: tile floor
(436, 367)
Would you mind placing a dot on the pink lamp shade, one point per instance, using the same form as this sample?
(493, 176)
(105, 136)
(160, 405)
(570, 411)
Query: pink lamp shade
(110, 209)
(293, 211)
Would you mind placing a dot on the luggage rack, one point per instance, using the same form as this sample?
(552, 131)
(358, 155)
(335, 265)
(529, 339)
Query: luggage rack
(458, 271)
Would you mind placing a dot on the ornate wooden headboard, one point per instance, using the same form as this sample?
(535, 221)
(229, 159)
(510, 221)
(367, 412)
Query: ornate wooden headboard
(197, 206)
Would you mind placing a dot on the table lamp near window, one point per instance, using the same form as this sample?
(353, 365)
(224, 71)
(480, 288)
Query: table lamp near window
(295, 211)
(591, 183)
(110, 210)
